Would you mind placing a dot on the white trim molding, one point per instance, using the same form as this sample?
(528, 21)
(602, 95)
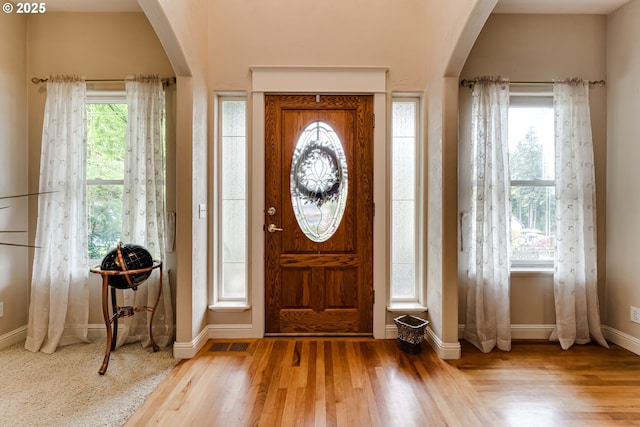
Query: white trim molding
(622, 339)
(445, 351)
(13, 337)
(523, 332)
(188, 350)
(319, 79)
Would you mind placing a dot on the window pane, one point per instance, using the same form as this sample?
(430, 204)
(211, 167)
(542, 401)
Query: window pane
(104, 206)
(233, 225)
(403, 200)
(233, 204)
(532, 223)
(234, 279)
(234, 173)
(106, 133)
(403, 277)
(404, 168)
(531, 144)
(532, 170)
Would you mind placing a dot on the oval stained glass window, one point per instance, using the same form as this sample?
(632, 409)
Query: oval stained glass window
(318, 181)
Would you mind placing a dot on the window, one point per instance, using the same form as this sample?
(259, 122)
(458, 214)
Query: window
(404, 200)
(231, 253)
(106, 134)
(532, 169)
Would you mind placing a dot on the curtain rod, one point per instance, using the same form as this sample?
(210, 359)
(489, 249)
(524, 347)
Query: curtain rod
(470, 83)
(167, 80)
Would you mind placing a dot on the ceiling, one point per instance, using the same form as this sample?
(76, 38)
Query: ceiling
(93, 6)
(599, 7)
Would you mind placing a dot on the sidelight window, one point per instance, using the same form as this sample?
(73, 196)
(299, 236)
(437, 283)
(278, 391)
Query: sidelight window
(405, 221)
(231, 225)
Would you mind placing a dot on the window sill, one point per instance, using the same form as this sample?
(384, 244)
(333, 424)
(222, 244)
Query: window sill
(230, 307)
(532, 271)
(406, 307)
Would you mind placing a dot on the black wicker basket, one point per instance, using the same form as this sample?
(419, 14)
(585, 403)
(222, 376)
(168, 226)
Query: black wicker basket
(410, 333)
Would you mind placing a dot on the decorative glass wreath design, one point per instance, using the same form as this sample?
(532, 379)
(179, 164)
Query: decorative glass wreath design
(318, 181)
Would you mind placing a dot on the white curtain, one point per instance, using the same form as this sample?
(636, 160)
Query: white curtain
(575, 277)
(144, 210)
(488, 321)
(59, 307)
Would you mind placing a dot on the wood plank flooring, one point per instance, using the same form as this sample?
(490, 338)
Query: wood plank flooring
(365, 382)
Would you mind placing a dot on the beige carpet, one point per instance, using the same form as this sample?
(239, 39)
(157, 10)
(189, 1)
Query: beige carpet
(64, 389)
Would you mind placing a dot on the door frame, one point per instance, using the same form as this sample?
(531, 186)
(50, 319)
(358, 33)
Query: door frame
(316, 80)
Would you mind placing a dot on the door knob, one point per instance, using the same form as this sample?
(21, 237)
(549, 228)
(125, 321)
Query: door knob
(271, 228)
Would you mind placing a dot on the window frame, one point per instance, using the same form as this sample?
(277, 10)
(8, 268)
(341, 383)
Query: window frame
(417, 302)
(531, 98)
(103, 97)
(218, 301)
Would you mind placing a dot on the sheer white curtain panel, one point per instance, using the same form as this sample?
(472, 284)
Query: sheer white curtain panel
(59, 306)
(488, 323)
(144, 209)
(575, 276)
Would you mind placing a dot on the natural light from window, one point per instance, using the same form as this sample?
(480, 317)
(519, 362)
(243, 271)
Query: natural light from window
(106, 134)
(403, 200)
(232, 280)
(532, 169)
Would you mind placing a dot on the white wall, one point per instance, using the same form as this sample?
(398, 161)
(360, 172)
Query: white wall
(623, 153)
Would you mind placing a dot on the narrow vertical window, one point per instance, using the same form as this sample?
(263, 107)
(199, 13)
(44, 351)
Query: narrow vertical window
(232, 166)
(404, 144)
(106, 134)
(532, 170)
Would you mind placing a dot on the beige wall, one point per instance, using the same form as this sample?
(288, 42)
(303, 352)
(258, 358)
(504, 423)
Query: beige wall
(96, 46)
(623, 197)
(311, 33)
(414, 39)
(14, 261)
(543, 48)
(181, 26)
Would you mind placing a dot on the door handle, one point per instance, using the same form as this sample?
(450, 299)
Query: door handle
(271, 228)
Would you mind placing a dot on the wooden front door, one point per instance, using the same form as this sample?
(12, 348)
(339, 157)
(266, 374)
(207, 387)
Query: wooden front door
(319, 214)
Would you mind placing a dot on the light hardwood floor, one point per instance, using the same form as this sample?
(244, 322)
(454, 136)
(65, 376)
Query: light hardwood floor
(366, 382)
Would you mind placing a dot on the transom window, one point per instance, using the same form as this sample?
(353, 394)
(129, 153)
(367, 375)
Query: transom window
(532, 170)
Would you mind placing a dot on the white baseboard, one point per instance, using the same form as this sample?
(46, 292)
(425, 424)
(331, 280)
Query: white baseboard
(523, 332)
(97, 331)
(187, 350)
(625, 341)
(13, 337)
(231, 331)
(446, 351)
